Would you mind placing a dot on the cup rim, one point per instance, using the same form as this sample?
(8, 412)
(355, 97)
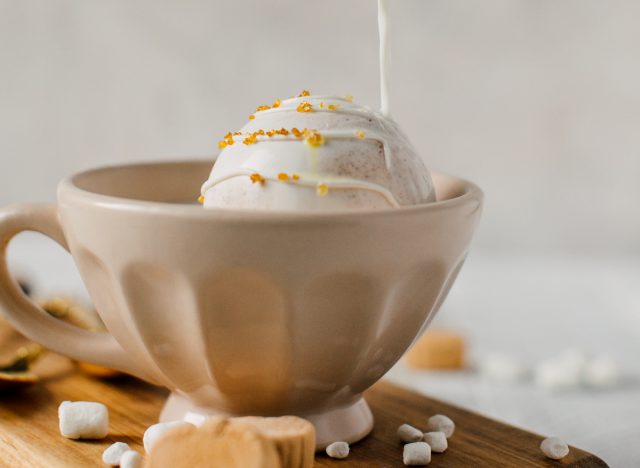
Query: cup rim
(470, 193)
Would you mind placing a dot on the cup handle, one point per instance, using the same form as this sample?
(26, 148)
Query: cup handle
(33, 322)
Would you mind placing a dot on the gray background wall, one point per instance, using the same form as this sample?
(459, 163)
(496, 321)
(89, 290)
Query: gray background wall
(536, 100)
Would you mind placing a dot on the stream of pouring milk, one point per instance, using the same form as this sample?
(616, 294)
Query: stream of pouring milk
(385, 64)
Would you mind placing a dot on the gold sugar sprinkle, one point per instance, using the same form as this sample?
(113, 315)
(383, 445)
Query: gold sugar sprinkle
(323, 190)
(251, 139)
(313, 138)
(321, 104)
(349, 98)
(334, 107)
(263, 108)
(227, 141)
(360, 134)
(257, 179)
(305, 106)
(304, 93)
(277, 104)
(295, 177)
(252, 117)
(283, 177)
(201, 199)
(297, 133)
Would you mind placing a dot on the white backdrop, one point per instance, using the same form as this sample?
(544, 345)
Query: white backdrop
(536, 100)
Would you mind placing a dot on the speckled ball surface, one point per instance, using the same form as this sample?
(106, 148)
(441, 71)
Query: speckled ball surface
(335, 156)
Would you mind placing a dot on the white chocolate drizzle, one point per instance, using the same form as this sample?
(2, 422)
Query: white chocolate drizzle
(345, 106)
(311, 181)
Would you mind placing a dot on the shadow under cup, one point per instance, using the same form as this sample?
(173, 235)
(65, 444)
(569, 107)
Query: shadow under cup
(261, 313)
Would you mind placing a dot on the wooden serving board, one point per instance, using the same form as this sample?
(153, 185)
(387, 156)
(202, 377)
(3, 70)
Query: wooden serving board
(29, 434)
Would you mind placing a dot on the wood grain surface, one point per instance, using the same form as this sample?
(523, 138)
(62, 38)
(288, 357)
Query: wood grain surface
(29, 435)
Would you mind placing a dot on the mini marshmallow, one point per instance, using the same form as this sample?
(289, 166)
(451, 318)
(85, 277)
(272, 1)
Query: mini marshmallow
(554, 448)
(407, 434)
(437, 441)
(131, 459)
(503, 368)
(196, 419)
(441, 423)
(83, 420)
(112, 455)
(155, 432)
(563, 372)
(416, 454)
(602, 372)
(338, 450)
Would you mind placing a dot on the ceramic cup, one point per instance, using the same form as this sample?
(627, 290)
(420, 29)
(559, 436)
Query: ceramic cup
(240, 312)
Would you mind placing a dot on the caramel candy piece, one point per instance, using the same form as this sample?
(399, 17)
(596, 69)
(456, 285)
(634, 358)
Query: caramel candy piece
(217, 443)
(437, 349)
(294, 437)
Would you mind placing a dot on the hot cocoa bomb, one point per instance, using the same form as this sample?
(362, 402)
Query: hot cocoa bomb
(317, 153)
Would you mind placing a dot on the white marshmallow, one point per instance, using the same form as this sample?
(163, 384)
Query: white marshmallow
(442, 424)
(338, 450)
(131, 459)
(563, 372)
(155, 432)
(197, 419)
(437, 441)
(416, 454)
(83, 420)
(112, 455)
(407, 434)
(602, 372)
(554, 448)
(503, 368)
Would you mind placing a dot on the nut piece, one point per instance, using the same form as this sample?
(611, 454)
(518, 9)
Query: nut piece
(13, 380)
(131, 459)
(407, 434)
(223, 442)
(83, 420)
(112, 455)
(441, 423)
(294, 438)
(100, 372)
(437, 349)
(416, 454)
(554, 448)
(72, 312)
(155, 432)
(338, 450)
(437, 441)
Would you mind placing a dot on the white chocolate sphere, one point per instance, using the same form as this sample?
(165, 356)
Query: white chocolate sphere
(351, 158)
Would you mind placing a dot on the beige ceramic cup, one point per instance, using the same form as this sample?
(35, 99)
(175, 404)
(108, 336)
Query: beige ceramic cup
(244, 312)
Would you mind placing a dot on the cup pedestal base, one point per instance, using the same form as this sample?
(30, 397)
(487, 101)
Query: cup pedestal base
(348, 424)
